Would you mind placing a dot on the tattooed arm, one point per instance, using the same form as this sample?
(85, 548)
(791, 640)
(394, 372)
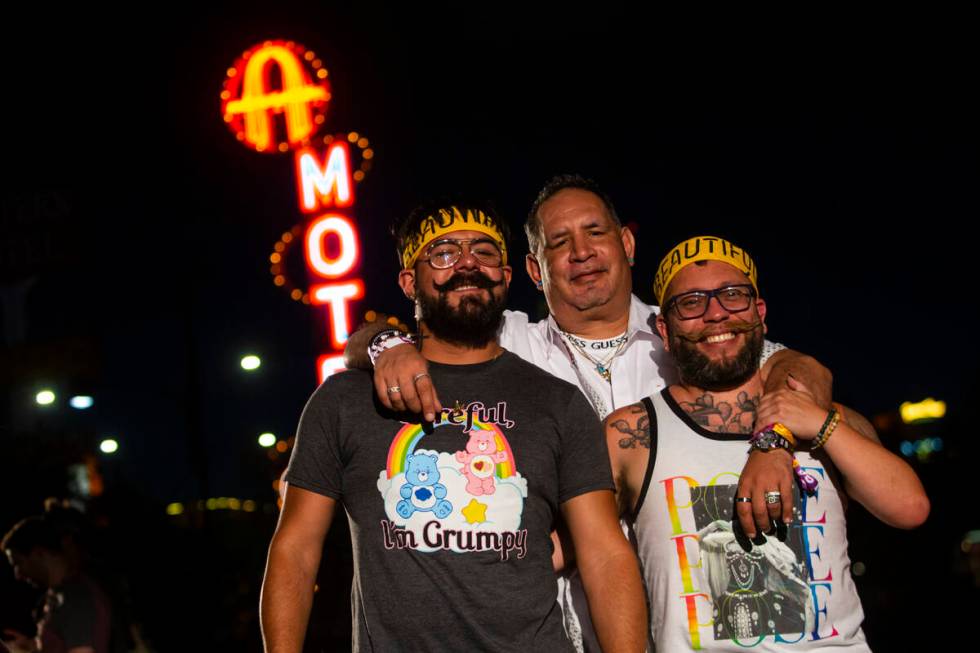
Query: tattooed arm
(628, 440)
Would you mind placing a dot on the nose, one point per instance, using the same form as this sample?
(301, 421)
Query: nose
(466, 259)
(715, 312)
(582, 249)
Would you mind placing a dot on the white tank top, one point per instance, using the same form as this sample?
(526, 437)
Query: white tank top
(706, 591)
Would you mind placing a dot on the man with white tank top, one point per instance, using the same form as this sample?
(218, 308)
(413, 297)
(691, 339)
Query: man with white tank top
(677, 455)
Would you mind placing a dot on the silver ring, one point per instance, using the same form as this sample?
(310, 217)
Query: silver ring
(773, 497)
(743, 499)
(393, 389)
(419, 376)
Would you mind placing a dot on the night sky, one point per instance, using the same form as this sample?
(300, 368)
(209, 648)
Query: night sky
(840, 151)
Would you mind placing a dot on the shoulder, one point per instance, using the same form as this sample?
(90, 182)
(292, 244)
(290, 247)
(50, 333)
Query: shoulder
(531, 373)
(342, 387)
(632, 420)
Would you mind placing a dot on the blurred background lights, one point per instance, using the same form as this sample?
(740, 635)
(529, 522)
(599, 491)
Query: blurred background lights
(109, 446)
(971, 539)
(926, 410)
(44, 397)
(174, 509)
(251, 362)
(81, 402)
(267, 439)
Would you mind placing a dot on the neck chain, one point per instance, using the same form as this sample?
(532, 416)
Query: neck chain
(602, 367)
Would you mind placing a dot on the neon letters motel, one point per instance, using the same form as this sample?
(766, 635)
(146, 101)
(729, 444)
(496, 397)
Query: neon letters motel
(274, 100)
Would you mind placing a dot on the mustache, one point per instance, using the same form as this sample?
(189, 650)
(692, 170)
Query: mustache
(461, 279)
(735, 327)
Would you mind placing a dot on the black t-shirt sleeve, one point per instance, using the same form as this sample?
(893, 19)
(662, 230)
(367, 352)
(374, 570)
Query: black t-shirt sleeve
(316, 463)
(584, 464)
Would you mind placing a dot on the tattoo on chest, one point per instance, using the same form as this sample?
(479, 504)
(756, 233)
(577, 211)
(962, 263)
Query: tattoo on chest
(723, 417)
(635, 435)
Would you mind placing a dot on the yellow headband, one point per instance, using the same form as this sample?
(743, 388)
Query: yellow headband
(445, 221)
(701, 248)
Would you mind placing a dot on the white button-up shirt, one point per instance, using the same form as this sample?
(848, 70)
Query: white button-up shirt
(640, 369)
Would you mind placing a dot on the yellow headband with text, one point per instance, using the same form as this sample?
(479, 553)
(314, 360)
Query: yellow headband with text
(701, 248)
(445, 221)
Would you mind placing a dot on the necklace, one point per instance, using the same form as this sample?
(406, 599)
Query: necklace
(602, 367)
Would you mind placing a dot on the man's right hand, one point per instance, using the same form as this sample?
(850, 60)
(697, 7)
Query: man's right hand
(403, 368)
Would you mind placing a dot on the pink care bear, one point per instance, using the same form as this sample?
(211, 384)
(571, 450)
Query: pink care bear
(479, 461)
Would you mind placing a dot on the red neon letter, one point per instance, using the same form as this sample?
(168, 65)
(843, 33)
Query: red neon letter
(337, 295)
(328, 365)
(316, 254)
(326, 185)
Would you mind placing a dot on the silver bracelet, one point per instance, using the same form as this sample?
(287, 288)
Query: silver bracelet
(387, 339)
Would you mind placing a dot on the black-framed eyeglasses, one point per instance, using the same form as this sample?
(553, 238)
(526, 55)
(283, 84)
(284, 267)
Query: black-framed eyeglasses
(694, 304)
(446, 253)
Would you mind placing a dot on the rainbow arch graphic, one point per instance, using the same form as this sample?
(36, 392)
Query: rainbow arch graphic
(409, 436)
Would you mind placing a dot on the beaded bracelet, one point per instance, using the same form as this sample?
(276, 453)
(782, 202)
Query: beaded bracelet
(387, 339)
(833, 419)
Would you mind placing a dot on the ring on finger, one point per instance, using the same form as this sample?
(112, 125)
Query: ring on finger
(419, 376)
(394, 389)
(743, 499)
(773, 497)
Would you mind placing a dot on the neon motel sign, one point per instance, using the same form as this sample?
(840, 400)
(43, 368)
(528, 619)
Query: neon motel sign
(274, 100)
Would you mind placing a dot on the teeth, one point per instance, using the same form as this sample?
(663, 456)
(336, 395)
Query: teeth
(720, 337)
(466, 288)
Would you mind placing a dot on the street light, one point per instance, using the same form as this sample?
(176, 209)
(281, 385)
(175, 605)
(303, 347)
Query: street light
(267, 440)
(109, 446)
(81, 402)
(251, 362)
(45, 397)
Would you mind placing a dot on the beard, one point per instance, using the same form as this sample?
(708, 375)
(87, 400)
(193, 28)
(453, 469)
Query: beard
(700, 371)
(474, 322)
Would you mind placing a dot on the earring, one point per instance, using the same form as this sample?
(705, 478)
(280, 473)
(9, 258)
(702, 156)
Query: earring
(630, 259)
(539, 284)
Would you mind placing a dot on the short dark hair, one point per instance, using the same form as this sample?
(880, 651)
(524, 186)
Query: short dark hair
(29, 534)
(404, 229)
(558, 183)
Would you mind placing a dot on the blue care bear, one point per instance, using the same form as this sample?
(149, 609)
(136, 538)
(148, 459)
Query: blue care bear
(422, 490)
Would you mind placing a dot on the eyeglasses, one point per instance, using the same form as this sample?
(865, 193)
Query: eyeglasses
(446, 253)
(694, 304)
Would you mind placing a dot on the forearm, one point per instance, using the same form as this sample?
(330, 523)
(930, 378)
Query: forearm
(881, 481)
(356, 351)
(803, 368)
(617, 602)
(287, 595)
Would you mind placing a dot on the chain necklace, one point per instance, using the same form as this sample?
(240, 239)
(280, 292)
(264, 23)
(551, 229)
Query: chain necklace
(602, 367)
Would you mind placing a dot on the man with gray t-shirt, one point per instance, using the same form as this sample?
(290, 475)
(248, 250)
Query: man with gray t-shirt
(451, 520)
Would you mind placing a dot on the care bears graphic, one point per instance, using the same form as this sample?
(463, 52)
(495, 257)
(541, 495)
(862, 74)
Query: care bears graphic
(467, 500)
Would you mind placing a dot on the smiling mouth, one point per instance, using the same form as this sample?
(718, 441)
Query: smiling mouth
(587, 276)
(719, 337)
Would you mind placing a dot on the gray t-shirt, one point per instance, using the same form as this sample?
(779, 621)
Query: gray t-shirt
(451, 525)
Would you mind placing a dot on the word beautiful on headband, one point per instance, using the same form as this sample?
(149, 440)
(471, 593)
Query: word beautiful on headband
(445, 221)
(702, 248)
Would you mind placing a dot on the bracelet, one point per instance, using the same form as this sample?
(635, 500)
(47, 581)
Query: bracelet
(774, 436)
(384, 340)
(833, 419)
